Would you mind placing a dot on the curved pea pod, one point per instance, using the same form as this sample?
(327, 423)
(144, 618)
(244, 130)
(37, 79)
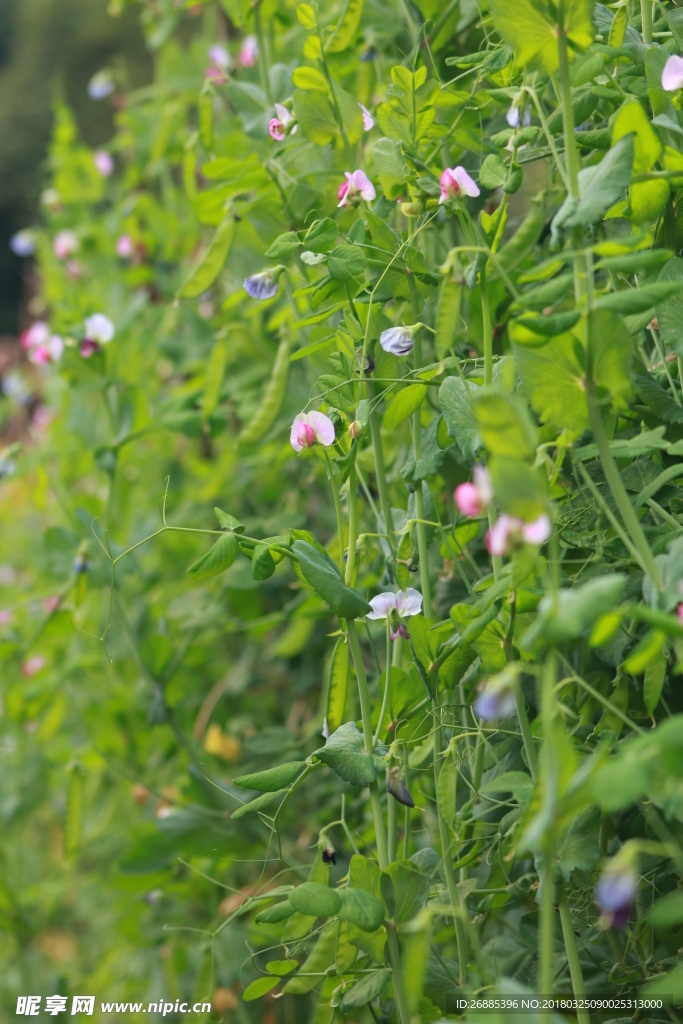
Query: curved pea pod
(522, 242)
(447, 314)
(210, 267)
(272, 399)
(514, 182)
(206, 117)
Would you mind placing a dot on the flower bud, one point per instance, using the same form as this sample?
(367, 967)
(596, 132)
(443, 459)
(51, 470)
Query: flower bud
(355, 430)
(397, 788)
(329, 855)
(614, 895)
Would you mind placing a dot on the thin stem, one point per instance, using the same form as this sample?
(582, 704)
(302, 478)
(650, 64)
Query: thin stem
(338, 511)
(646, 18)
(487, 329)
(546, 936)
(570, 152)
(392, 828)
(353, 528)
(575, 971)
(380, 472)
(263, 65)
(387, 681)
(423, 550)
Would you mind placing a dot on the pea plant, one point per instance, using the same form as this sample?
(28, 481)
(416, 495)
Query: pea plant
(395, 290)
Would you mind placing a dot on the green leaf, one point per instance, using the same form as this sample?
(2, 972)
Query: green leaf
(273, 915)
(361, 908)
(493, 172)
(404, 404)
(344, 753)
(338, 686)
(446, 789)
(391, 167)
(578, 847)
(504, 425)
(228, 522)
(321, 235)
(315, 115)
(647, 146)
(211, 265)
(346, 262)
(310, 79)
(306, 16)
(648, 650)
(655, 673)
(520, 490)
(530, 28)
(518, 783)
(315, 900)
(216, 560)
(599, 187)
(670, 310)
(447, 317)
(262, 564)
(346, 29)
(457, 400)
(283, 246)
(281, 968)
(73, 814)
(572, 612)
(259, 988)
(364, 991)
(322, 574)
(272, 779)
(667, 912)
(405, 890)
(259, 803)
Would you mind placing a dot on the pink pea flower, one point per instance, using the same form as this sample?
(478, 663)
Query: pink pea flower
(88, 348)
(356, 184)
(508, 532)
(679, 613)
(277, 126)
(125, 247)
(400, 605)
(104, 162)
(473, 498)
(309, 427)
(6, 616)
(456, 182)
(37, 334)
(65, 244)
(219, 56)
(74, 270)
(368, 119)
(248, 52)
(672, 75)
(33, 665)
(39, 355)
(51, 604)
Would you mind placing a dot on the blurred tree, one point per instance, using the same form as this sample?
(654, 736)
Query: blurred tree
(49, 47)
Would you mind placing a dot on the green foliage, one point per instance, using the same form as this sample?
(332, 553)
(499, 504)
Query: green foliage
(506, 729)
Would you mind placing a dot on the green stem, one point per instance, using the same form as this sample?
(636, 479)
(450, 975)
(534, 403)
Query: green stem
(575, 971)
(392, 828)
(570, 152)
(387, 681)
(263, 65)
(546, 936)
(380, 472)
(487, 329)
(460, 930)
(646, 18)
(402, 1007)
(353, 528)
(423, 550)
(338, 511)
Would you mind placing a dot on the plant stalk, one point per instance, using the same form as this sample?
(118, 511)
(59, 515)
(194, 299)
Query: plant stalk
(422, 548)
(575, 971)
(646, 19)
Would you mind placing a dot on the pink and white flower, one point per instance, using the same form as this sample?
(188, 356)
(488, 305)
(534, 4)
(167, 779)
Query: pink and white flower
(277, 126)
(309, 428)
(37, 334)
(65, 244)
(672, 74)
(220, 57)
(248, 52)
(474, 498)
(104, 162)
(125, 247)
(6, 616)
(508, 532)
(368, 119)
(679, 613)
(456, 182)
(394, 607)
(356, 184)
(32, 665)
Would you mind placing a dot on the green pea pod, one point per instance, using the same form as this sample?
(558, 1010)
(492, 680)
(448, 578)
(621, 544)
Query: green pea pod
(272, 400)
(206, 118)
(521, 243)
(514, 182)
(447, 315)
(210, 267)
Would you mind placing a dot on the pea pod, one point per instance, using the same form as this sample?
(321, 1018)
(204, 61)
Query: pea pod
(206, 118)
(272, 399)
(521, 243)
(212, 264)
(447, 314)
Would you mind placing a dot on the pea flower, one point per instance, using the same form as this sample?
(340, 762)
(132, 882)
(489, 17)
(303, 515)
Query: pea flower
(125, 247)
(397, 787)
(394, 607)
(474, 498)
(49, 352)
(32, 665)
(614, 895)
(219, 57)
(262, 286)
(497, 699)
(309, 427)
(456, 182)
(398, 341)
(508, 533)
(248, 52)
(37, 334)
(356, 184)
(277, 126)
(65, 244)
(23, 243)
(672, 74)
(99, 328)
(6, 616)
(101, 85)
(512, 116)
(368, 119)
(104, 162)
(329, 854)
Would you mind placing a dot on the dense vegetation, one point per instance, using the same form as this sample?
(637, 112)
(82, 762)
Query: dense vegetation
(342, 571)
